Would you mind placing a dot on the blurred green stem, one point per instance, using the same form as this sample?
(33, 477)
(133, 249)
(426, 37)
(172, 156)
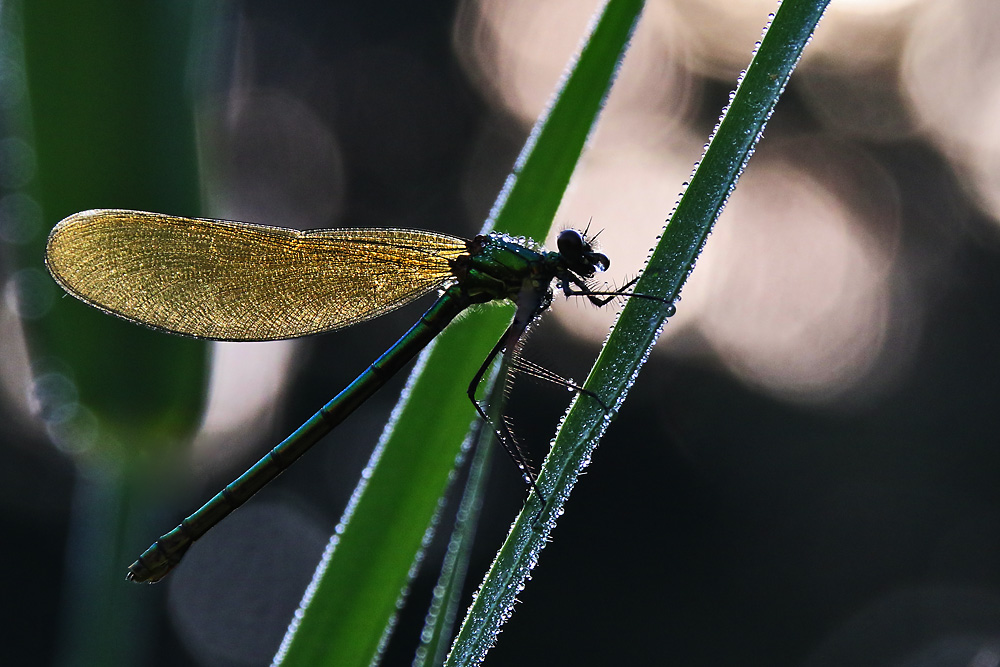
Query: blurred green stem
(107, 117)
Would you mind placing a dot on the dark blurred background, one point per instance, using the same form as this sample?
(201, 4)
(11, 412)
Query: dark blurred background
(805, 472)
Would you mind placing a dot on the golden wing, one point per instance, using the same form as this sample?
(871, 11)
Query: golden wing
(224, 280)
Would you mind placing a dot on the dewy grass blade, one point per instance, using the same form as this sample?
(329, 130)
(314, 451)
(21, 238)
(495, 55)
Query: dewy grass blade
(355, 592)
(439, 625)
(641, 320)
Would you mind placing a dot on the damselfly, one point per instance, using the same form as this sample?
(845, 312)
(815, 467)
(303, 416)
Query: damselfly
(235, 281)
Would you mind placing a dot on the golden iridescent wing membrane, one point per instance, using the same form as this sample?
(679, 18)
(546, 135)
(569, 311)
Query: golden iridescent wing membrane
(226, 280)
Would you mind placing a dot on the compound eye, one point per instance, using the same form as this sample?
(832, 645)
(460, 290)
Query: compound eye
(570, 243)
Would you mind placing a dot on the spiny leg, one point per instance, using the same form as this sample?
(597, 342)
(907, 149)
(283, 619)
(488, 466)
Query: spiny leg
(582, 289)
(532, 369)
(506, 438)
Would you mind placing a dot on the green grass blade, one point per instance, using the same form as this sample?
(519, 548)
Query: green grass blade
(354, 595)
(438, 632)
(641, 320)
(436, 636)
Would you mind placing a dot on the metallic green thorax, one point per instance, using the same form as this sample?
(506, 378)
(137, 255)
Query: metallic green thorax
(497, 267)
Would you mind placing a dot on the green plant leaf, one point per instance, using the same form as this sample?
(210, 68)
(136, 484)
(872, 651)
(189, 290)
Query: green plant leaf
(354, 595)
(130, 144)
(641, 320)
